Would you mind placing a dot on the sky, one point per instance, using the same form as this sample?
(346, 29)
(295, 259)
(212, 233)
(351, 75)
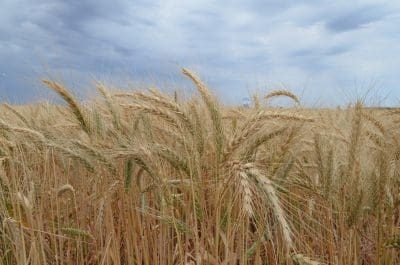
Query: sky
(327, 52)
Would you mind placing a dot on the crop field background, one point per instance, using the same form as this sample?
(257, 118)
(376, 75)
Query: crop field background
(143, 177)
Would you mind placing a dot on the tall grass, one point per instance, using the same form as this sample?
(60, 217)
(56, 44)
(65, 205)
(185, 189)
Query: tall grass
(145, 178)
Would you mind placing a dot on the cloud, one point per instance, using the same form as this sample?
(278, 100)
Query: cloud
(237, 47)
(357, 18)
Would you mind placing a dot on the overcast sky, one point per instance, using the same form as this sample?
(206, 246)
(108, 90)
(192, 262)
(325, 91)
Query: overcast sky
(326, 51)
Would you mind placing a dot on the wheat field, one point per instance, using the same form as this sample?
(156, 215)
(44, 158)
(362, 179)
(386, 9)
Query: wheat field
(143, 177)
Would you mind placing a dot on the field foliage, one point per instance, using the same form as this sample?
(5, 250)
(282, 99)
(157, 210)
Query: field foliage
(142, 177)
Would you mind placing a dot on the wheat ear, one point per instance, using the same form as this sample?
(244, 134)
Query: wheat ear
(72, 102)
(281, 92)
(212, 107)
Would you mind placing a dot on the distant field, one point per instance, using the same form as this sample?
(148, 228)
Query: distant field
(148, 178)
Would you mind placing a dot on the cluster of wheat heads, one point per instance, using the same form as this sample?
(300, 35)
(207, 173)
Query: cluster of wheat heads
(142, 178)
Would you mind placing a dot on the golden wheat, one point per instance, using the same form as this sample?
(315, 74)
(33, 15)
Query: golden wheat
(148, 178)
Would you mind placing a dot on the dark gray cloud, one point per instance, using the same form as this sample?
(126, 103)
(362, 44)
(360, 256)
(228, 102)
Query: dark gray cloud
(237, 46)
(357, 18)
